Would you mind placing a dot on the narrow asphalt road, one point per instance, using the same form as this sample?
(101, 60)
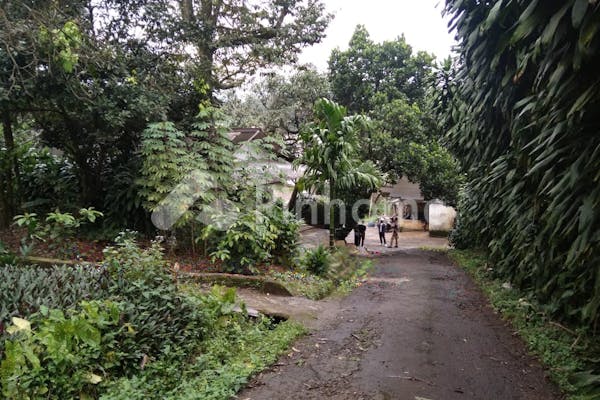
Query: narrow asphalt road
(418, 329)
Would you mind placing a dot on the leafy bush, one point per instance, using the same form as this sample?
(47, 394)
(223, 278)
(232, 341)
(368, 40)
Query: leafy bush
(257, 237)
(122, 203)
(6, 256)
(62, 226)
(31, 223)
(140, 279)
(141, 337)
(64, 356)
(148, 320)
(232, 351)
(46, 180)
(25, 289)
(346, 270)
(59, 228)
(316, 261)
(127, 261)
(287, 228)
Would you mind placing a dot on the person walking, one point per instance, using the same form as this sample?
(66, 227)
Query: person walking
(381, 228)
(395, 230)
(362, 230)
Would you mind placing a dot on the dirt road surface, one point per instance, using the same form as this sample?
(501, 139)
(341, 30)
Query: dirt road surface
(418, 329)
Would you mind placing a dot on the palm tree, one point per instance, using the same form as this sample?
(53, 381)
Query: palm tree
(331, 157)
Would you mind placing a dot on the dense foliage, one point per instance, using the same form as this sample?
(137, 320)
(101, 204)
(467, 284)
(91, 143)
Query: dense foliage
(524, 124)
(126, 330)
(280, 104)
(392, 84)
(87, 77)
(332, 159)
(369, 70)
(316, 261)
(268, 234)
(26, 288)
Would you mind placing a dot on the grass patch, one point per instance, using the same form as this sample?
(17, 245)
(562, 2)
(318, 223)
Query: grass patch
(304, 284)
(235, 350)
(322, 273)
(566, 352)
(435, 249)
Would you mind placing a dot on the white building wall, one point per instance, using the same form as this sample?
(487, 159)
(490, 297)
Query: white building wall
(441, 217)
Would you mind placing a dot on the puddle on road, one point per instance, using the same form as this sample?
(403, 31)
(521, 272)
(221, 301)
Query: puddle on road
(393, 281)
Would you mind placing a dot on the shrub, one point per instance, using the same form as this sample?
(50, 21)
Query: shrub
(234, 349)
(127, 261)
(6, 256)
(287, 228)
(65, 356)
(258, 237)
(316, 261)
(46, 180)
(142, 318)
(345, 268)
(163, 318)
(58, 227)
(25, 289)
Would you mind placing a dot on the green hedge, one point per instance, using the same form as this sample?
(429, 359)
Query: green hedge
(524, 121)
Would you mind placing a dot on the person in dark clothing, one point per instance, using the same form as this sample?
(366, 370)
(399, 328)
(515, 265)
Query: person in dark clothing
(382, 228)
(362, 230)
(356, 236)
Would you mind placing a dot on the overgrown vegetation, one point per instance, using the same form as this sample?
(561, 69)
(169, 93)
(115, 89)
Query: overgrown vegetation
(86, 78)
(523, 122)
(520, 107)
(569, 353)
(265, 235)
(322, 272)
(127, 331)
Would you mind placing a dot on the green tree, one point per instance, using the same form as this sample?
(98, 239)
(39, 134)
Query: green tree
(281, 105)
(389, 69)
(407, 143)
(393, 85)
(235, 39)
(331, 155)
(89, 87)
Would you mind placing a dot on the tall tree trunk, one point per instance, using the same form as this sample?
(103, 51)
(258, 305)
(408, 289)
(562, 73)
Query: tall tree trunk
(4, 210)
(187, 10)
(331, 214)
(11, 175)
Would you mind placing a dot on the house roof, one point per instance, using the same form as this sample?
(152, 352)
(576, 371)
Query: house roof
(240, 135)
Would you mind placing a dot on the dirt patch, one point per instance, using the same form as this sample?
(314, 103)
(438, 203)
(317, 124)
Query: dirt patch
(418, 328)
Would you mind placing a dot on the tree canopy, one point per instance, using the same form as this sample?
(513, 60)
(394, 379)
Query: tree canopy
(393, 85)
(368, 71)
(280, 104)
(88, 76)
